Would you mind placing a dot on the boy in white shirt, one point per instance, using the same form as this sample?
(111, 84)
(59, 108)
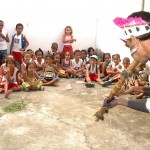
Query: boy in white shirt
(18, 44)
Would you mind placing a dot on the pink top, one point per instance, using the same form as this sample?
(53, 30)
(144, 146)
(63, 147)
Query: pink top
(68, 37)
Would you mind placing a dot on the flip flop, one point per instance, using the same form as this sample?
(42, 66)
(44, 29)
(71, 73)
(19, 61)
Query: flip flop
(107, 83)
(89, 85)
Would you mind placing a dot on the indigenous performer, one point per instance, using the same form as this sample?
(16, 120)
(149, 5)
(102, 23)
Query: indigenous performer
(136, 29)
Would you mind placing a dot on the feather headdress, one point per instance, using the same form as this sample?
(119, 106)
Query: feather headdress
(132, 26)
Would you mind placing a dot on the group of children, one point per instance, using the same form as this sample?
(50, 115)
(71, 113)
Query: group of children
(28, 70)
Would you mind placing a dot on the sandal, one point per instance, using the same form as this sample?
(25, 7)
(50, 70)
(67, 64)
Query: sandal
(107, 83)
(89, 85)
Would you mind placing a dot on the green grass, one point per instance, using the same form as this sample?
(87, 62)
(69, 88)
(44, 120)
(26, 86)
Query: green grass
(15, 106)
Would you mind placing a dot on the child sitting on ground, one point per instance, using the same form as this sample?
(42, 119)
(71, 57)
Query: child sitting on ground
(85, 60)
(126, 63)
(54, 49)
(57, 62)
(26, 59)
(39, 61)
(66, 64)
(32, 55)
(104, 65)
(77, 64)
(141, 80)
(10, 80)
(31, 78)
(92, 72)
(91, 52)
(3, 66)
(50, 71)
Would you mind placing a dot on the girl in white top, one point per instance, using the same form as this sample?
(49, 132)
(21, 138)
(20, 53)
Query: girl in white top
(26, 59)
(39, 61)
(66, 64)
(3, 67)
(114, 70)
(3, 41)
(116, 66)
(77, 64)
(10, 78)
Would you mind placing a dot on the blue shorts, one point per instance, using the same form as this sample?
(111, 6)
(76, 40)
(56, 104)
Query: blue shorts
(2, 54)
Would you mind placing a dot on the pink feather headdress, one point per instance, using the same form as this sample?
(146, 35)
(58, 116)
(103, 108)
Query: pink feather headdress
(132, 26)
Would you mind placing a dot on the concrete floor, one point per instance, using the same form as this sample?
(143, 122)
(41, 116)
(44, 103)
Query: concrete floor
(60, 119)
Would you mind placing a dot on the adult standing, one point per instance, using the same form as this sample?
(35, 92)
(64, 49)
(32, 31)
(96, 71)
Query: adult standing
(136, 29)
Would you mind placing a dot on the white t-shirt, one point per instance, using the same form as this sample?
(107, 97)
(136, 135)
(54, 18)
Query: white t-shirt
(17, 43)
(51, 52)
(3, 43)
(117, 66)
(93, 70)
(13, 78)
(75, 65)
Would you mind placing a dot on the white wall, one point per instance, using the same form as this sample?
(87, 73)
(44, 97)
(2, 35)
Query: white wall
(108, 33)
(45, 20)
(91, 20)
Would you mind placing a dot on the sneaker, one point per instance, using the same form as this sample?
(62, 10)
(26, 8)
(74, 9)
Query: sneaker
(107, 83)
(81, 76)
(7, 93)
(89, 85)
(42, 88)
(26, 89)
(102, 76)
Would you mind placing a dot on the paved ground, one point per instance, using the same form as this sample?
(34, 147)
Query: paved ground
(60, 119)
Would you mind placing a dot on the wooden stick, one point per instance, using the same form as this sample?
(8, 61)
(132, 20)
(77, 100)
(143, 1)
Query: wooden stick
(115, 90)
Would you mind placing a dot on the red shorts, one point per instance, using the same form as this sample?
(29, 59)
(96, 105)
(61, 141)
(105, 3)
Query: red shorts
(93, 77)
(11, 85)
(17, 56)
(67, 49)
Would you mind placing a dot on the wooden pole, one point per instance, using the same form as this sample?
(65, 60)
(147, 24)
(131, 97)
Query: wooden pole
(115, 91)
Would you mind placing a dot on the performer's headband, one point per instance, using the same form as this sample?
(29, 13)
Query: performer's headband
(132, 26)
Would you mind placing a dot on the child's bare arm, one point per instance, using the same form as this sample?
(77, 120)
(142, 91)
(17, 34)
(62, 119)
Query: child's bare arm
(4, 37)
(87, 71)
(17, 78)
(27, 43)
(1, 74)
(24, 75)
(98, 73)
(22, 68)
(11, 46)
(8, 74)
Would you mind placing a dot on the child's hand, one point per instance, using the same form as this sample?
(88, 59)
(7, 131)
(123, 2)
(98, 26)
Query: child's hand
(115, 69)
(1, 35)
(21, 49)
(120, 67)
(74, 40)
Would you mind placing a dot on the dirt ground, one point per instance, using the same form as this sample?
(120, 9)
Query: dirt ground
(61, 119)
